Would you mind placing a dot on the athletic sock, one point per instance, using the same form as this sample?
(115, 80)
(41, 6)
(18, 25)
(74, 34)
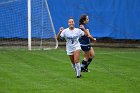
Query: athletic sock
(89, 61)
(84, 63)
(73, 65)
(78, 68)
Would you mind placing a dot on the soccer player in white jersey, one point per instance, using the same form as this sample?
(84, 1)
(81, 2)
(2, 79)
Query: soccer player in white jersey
(72, 35)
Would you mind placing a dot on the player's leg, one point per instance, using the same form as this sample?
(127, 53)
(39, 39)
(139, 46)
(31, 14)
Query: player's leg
(76, 56)
(92, 53)
(77, 62)
(85, 61)
(72, 61)
(86, 57)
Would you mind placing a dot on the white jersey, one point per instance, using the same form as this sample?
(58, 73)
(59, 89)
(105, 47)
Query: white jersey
(72, 38)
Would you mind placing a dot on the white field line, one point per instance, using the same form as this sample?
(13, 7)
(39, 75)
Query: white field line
(116, 53)
(120, 56)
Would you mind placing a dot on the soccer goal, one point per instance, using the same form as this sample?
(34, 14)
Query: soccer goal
(26, 24)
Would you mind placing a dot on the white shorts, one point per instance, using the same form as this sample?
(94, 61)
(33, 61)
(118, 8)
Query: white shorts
(73, 50)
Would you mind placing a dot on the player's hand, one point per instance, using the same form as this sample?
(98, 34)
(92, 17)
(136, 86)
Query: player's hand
(61, 29)
(94, 39)
(82, 27)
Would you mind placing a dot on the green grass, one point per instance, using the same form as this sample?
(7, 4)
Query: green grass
(113, 70)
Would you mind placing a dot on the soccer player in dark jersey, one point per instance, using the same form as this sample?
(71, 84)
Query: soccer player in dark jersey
(85, 44)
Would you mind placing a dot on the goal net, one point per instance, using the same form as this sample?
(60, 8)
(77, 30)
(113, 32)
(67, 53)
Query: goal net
(26, 24)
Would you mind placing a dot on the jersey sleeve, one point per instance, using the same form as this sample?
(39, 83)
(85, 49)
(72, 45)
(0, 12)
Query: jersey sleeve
(62, 33)
(81, 33)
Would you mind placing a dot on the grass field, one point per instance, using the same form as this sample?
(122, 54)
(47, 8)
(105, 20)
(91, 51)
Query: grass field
(114, 70)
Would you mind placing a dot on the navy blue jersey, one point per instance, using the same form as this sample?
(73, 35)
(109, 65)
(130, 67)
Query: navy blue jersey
(84, 40)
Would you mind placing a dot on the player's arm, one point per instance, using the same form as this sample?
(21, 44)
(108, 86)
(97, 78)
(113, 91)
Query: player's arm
(83, 29)
(91, 37)
(60, 31)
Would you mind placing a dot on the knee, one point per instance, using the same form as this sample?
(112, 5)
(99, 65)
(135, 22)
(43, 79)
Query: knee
(76, 60)
(92, 55)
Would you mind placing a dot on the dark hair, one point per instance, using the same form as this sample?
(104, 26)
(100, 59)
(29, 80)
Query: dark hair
(82, 19)
(70, 17)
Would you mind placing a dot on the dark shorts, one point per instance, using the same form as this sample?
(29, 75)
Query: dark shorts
(86, 48)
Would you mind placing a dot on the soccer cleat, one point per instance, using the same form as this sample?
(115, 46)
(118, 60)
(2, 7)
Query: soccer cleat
(86, 70)
(79, 76)
(83, 69)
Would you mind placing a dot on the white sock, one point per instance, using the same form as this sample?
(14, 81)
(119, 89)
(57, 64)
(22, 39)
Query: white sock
(82, 65)
(78, 68)
(73, 65)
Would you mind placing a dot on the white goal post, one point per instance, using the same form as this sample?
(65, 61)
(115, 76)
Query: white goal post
(26, 24)
(30, 25)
